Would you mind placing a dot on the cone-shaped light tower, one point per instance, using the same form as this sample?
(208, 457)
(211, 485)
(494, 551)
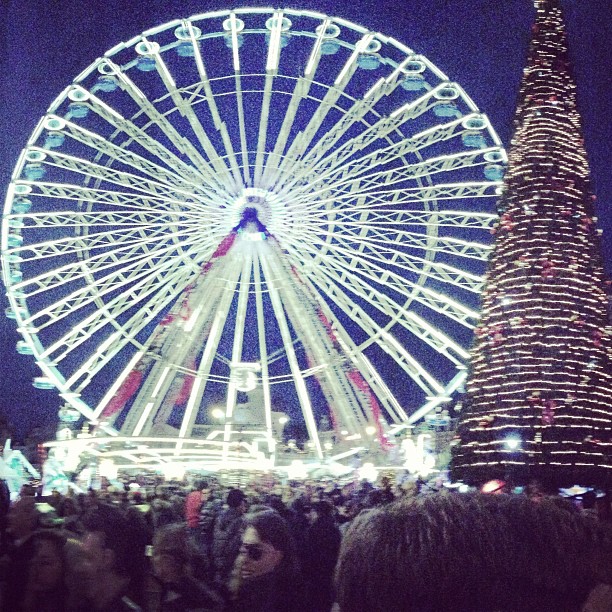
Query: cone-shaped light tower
(538, 401)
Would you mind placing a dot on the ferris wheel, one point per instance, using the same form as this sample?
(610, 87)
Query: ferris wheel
(247, 214)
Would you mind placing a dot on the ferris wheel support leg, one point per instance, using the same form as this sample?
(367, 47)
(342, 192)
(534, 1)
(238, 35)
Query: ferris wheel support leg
(298, 379)
(263, 352)
(243, 300)
(207, 358)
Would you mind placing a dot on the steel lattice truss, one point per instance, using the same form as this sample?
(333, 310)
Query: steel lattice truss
(369, 180)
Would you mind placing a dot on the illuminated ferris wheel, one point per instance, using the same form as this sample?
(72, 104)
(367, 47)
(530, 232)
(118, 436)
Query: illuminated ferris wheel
(251, 213)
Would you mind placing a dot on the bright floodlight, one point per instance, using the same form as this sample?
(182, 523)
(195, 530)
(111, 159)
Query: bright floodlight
(217, 413)
(512, 442)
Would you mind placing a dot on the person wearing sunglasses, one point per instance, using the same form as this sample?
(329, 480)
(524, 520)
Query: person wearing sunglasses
(268, 578)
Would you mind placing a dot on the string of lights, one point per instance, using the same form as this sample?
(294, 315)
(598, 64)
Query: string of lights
(538, 401)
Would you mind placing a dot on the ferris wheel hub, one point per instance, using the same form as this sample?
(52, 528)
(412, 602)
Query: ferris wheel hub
(256, 204)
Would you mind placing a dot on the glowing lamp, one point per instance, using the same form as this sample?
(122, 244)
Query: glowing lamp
(493, 486)
(513, 442)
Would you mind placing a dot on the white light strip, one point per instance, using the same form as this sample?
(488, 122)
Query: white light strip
(312, 60)
(274, 48)
(235, 54)
(361, 46)
(160, 382)
(115, 386)
(143, 418)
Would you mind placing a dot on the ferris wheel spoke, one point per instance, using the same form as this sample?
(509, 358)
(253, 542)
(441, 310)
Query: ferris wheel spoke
(75, 245)
(352, 352)
(397, 199)
(339, 285)
(274, 50)
(438, 302)
(356, 195)
(372, 376)
(355, 114)
(304, 139)
(343, 160)
(82, 269)
(300, 92)
(364, 233)
(425, 168)
(379, 130)
(390, 207)
(219, 124)
(385, 340)
(317, 162)
(115, 280)
(198, 174)
(425, 220)
(161, 120)
(216, 166)
(119, 199)
(192, 249)
(392, 215)
(52, 315)
(144, 217)
(92, 170)
(151, 296)
(379, 247)
(160, 176)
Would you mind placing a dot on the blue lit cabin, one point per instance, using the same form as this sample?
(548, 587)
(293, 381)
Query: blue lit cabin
(494, 172)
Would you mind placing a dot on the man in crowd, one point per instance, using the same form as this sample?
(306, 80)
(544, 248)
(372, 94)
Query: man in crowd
(228, 533)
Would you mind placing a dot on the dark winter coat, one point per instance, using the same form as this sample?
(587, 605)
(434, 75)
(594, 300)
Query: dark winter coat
(321, 549)
(274, 592)
(227, 537)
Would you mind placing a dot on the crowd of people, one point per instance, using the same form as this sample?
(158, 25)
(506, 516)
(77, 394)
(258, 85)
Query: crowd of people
(303, 547)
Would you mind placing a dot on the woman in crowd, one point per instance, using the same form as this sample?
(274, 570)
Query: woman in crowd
(267, 576)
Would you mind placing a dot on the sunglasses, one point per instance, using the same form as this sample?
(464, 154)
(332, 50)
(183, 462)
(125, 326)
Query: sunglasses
(252, 551)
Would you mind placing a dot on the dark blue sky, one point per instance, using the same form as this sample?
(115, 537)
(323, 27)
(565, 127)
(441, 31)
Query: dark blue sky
(479, 43)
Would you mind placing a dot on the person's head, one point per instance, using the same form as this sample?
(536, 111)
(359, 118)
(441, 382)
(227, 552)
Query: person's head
(113, 543)
(46, 568)
(322, 510)
(589, 500)
(206, 489)
(275, 502)
(27, 490)
(267, 545)
(23, 517)
(171, 552)
(238, 500)
(459, 553)
(69, 507)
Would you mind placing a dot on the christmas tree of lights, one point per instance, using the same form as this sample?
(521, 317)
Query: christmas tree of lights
(538, 401)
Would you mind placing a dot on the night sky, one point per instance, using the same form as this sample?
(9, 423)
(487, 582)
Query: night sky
(478, 43)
